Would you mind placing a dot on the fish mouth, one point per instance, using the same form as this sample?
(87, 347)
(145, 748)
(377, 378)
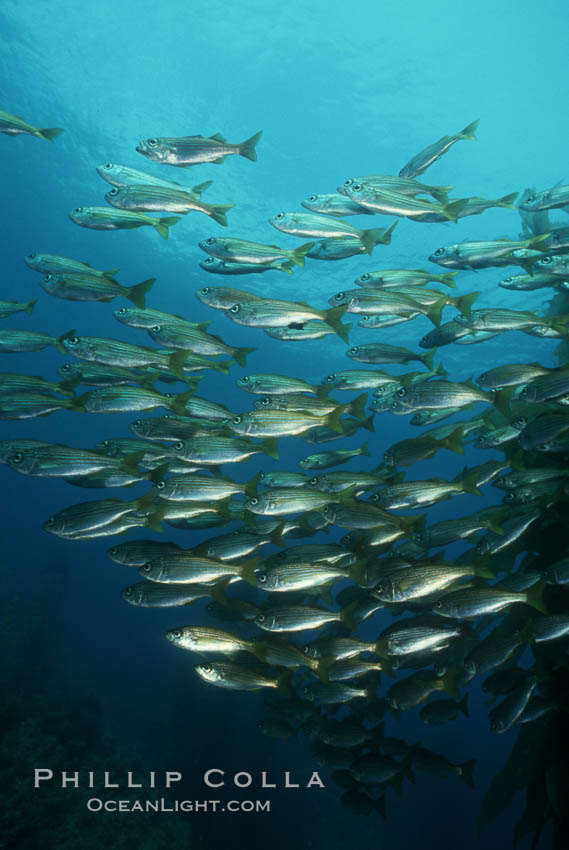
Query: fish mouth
(141, 147)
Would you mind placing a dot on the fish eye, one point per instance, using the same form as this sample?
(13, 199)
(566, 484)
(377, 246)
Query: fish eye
(339, 296)
(245, 379)
(365, 276)
(32, 256)
(113, 550)
(207, 668)
(266, 400)
(160, 485)
(545, 261)
(235, 308)
(210, 241)
(65, 368)
(179, 445)
(156, 329)
(330, 378)
(108, 166)
(314, 480)
(481, 440)
(260, 618)
(236, 420)
(357, 187)
(18, 457)
(121, 312)
(50, 521)
(262, 578)
(48, 277)
(78, 209)
(313, 198)
(114, 191)
(208, 262)
(72, 340)
(439, 252)
(355, 349)
(152, 143)
(394, 405)
(326, 510)
(177, 633)
(379, 588)
(254, 501)
(524, 392)
(374, 498)
(510, 496)
(104, 443)
(127, 591)
(205, 290)
(279, 216)
(348, 182)
(262, 476)
(146, 568)
(401, 392)
(507, 279)
(136, 424)
(438, 604)
(365, 318)
(531, 198)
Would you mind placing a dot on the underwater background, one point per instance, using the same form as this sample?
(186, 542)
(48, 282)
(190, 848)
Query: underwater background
(338, 90)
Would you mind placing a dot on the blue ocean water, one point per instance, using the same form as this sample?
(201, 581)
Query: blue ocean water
(338, 91)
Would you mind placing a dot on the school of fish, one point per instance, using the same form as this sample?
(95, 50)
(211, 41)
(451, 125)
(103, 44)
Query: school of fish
(285, 609)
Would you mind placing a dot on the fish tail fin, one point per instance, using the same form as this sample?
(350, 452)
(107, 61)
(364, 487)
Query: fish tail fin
(247, 148)
(176, 363)
(364, 450)
(440, 193)
(370, 238)
(357, 409)
(223, 366)
(508, 201)
(450, 680)
(218, 213)
(368, 423)
(501, 400)
(463, 705)
(429, 358)
(534, 597)
(559, 324)
(468, 483)
(452, 210)
(240, 354)
(440, 370)
(466, 772)
(385, 239)
(454, 441)
(77, 403)
(179, 402)
(465, 302)
(299, 253)
(251, 486)
(50, 133)
(333, 317)
(346, 615)
(536, 242)
(161, 225)
(468, 132)
(68, 387)
(270, 447)
(29, 306)
(200, 188)
(59, 341)
(333, 420)
(283, 682)
(129, 464)
(448, 279)
(434, 311)
(136, 293)
(285, 267)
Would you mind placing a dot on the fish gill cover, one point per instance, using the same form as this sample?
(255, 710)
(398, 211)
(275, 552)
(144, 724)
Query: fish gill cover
(337, 450)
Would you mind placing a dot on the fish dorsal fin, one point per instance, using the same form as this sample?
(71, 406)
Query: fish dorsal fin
(218, 137)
